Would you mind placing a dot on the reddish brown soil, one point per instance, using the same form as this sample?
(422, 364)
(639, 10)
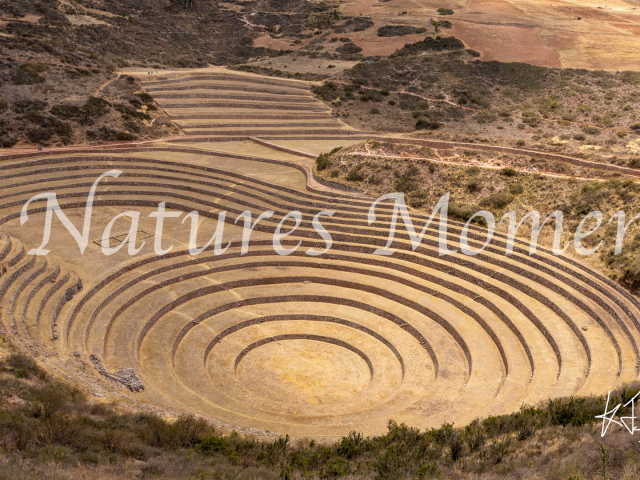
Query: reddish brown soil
(507, 44)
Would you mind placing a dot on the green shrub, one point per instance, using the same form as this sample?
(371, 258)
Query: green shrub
(211, 444)
(508, 172)
(526, 422)
(445, 11)
(497, 200)
(51, 399)
(349, 49)
(631, 275)
(67, 112)
(423, 124)
(635, 126)
(474, 184)
(328, 91)
(92, 109)
(23, 106)
(352, 445)
(485, 117)
(632, 78)
(405, 184)
(549, 105)
(40, 135)
(589, 130)
(29, 74)
(76, 73)
(582, 108)
(430, 44)
(49, 127)
(516, 189)
(107, 134)
(145, 97)
(7, 142)
(474, 436)
(570, 411)
(322, 162)
(368, 94)
(56, 453)
(125, 136)
(398, 30)
(356, 174)
(96, 107)
(634, 163)
(462, 212)
(336, 468)
(128, 112)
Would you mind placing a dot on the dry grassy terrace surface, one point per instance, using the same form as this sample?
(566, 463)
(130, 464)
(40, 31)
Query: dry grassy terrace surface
(311, 346)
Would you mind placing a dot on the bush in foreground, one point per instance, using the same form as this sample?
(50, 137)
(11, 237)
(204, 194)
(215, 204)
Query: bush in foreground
(49, 423)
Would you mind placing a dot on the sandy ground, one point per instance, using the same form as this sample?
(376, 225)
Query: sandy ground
(85, 20)
(274, 43)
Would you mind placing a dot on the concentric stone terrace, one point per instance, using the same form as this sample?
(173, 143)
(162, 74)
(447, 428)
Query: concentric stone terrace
(306, 345)
(220, 104)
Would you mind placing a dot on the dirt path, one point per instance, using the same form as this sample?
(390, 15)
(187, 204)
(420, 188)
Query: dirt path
(101, 87)
(53, 150)
(487, 166)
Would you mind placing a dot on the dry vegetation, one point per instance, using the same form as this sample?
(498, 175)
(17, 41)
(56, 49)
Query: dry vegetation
(436, 85)
(57, 55)
(517, 183)
(49, 105)
(48, 428)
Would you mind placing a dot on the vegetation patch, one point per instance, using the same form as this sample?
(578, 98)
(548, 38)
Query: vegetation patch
(399, 30)
(47, 422)
(29, 74)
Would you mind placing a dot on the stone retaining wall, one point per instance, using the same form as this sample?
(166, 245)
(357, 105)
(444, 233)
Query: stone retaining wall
(247, 117)
(19, 255)
(57, 286)
(232, 78)
(252, 106)
(251, 133)
(235, 88)
(281, 148)
(257, 98)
